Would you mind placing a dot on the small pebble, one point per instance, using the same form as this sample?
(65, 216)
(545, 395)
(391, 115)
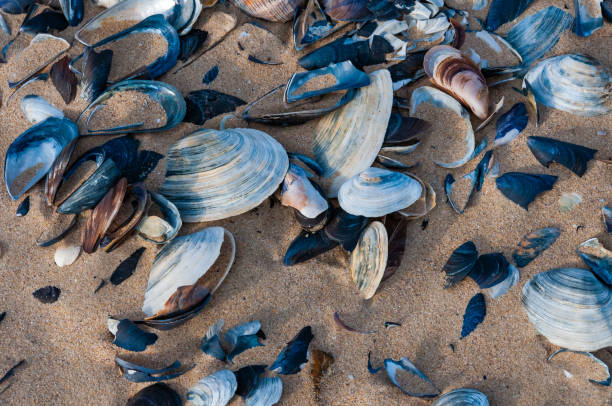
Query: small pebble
(48, 294)
(601, 133)
(351, 377)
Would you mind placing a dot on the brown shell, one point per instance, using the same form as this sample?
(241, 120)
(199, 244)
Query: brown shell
(56, 174)
(120, 230)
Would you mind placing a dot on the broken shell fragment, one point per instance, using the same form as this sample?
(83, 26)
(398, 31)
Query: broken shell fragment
(459, 76)
(247, 378)
(574, 83)
(494, 274)
(462, 397)
(573, 157)
(129, 336)
(311, 24)
(51, 43)
(347, 140)
(156, 394)
(299, 193)
(474, 314)
(502, 11)
(214, 390)
(570, 307)
(295, 355)
(58, 227)
(533, 244)
(460, 263)
(279, 11)
(156, 229)
(243, 337)
(307, 246)
(213, 175)
(600, 363)
(597, 258)
(589, 17)
(96, 67)
(345, 228)
(393, 368)
(376, 192)
(137, 373)
(37, 109)
(402, 133)
(65, 256)
(64, 79)
(211, 342)
(607, 218)
(32, 154)
(523, 188)
(185, 273)
(126, 268)
(73, 11)
(437, 98)
(369, 259)
(347, 10)
(510, 124)
(202, 105)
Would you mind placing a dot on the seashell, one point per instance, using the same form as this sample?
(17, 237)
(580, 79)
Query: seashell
(606, 8)
(127, 267)
(31, 155)
(376, 192)
(154, 25)
(214, 390)
(15, 6)
(573, 157)
(105, 3)
(607, 218)
(361, 52)
(597, 258)
(311, 24)
(397, 230)
(573, 83)
(533, 244)
(267, 392)
(37, 109)
(58, 227)
(345, 228)
(589, 17)
(402, 133)
(137, 373)
(460, 263)
(345, 74)
(570, 307)
(494, 274)
(73, 11)
(523, 188)
(342, 325)
(392, 368)
(462, 397)
(96, 68)
(321, 361)
(599, 362)
(48, 294)
(129, 336)
(247, 378)
(437, 98)
(158, 393)
(157, 230)
(568, 201)
(211, 75)
(190, 43)
(181, 14)
(295, 355)
(299, 193)
(213, 175)
(308, 161)
(345, 10)
(347, 140)
(510, 124)
(18, 81)
(497, 51)
(242, 338)
(475, 178)
(407, 71)
(102, 216)
(391, 163)
(503, 11)
(459, 76)
(423, 205)
(24, 207)
(369, 259)
(168, 97)
(279, 11)
(202, 105)
(260, 45)
(179, 280)
(537, 34)
(211, 343)
(307, 246)
(43, 22)
(474, 314)
(137, 200)
(67, 255)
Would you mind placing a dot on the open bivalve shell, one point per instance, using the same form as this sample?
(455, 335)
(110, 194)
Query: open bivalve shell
(462, 397)
(571, 308)
(212, 175)
(271, 10)
(348, 139)
(376, 192)
(184, 275)
(369, 259)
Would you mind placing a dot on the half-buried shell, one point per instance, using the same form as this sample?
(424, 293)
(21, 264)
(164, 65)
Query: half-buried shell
(272, 10)
(571, 308)
(212, 175)
(462, 397)
(348, 139)
(214, 390)
(369, 259)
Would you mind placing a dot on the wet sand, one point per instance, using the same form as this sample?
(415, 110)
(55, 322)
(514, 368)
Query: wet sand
(68, 350)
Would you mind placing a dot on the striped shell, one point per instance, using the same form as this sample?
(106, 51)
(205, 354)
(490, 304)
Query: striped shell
(272, 10)
(212, 175)
(571, 308)
(369, 259)
(214, 390)
(348, 139)
(462, 397)
(376, 192)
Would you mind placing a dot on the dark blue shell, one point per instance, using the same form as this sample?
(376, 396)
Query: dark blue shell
(347, 49)
(307, 246)
(522, 188)
(533, 244)
(510, 124)
(460, 263)
(211, 75)
(502, 11)
(294, 356)
(127, 267)
(490, 269)
(474, 314)
(345, 228)
(44, 22)
(24, 207)
(602, 266)
(73, 11)
(15, 6)
(130, 337)
(573, 157)
(247, 378)
(202, 105)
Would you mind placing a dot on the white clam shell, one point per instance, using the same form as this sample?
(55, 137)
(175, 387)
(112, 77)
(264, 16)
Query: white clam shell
(212, 175)
(571, 308)
(299, 193)
(462, 397)
(37, 109)
(574, 83)
(267, 392)
(376, 192)
(348, 139)
(438, 98)
(183, 262)
(369, 259)
(66, 255)
(214, 390)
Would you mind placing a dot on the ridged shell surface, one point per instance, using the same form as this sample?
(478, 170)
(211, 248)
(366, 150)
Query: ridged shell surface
(214, 390)
(369, 259)
(212, 175)
(571, 308)
(348, 139)
(462, 397)
(574, 83)
(376, 192)
(272, 10)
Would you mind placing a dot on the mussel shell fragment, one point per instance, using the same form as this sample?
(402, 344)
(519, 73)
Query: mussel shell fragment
(129, 336)
(510, 124)
(202, 105)
(96, 68)
(397, 229)
(48, 294)
(57, 228)
(137, 373)
(586, 23)
(570, 307)
(191, 43)
(214, 390)
(462, 397)
(307, 246)
(156, 394)
(37, 109)
(494, 274)
(23, 208)
(127, 267)
(597, 258)
(607, 218)
(247, 378)
(474, 314)
(73, 11)
(392, 368)
(32, 154)
(347, 10)
(44, 22)
(64, 79)
(402, 133)
(460, 263)
(503, 11)
(211, 342)
(369, 259)
(294, 356)
(533, 244)
(15, 6)
(119, 230)
(311, 24)
(345, 228)
(573, 157)
(243, 337)
(600, 363)
(523, 188)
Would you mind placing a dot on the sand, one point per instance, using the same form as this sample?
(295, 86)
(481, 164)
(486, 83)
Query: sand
(68, 350)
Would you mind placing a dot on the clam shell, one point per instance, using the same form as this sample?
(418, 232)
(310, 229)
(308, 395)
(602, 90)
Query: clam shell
(267, 392)
(213, 175)
(66, 255)
(571, 308)
(376, 192)
(573, 83)
(37, 109)
(369, 259)
(183, 263)
(271, 10)
(299, 193)
(426, 94)
(462, 397)
(214, 390)
(348, 139)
